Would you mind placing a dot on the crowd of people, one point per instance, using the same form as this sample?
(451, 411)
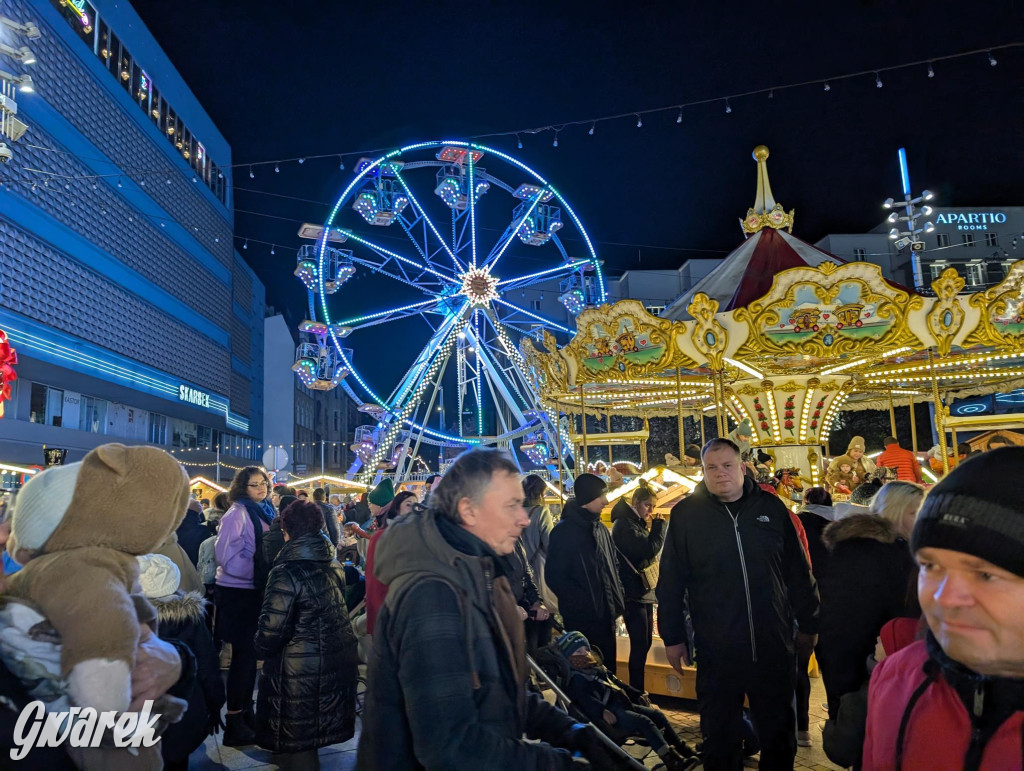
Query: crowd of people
(253, 613)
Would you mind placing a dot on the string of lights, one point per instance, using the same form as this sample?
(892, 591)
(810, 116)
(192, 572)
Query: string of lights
(676, 111)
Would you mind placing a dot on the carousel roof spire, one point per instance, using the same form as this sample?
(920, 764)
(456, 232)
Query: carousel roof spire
(766, 211)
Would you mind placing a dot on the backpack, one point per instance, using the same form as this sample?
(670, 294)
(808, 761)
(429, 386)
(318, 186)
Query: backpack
(208, 561)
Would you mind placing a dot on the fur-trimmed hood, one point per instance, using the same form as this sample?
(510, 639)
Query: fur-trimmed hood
(180, 608)
(859, 526)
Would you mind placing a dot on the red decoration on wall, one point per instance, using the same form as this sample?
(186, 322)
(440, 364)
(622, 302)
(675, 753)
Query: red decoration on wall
(8, 358)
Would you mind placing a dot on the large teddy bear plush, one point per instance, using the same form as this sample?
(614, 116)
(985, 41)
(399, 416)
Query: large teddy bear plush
(77, 530)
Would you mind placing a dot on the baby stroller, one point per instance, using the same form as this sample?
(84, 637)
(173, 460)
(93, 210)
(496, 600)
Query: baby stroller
(554, 671)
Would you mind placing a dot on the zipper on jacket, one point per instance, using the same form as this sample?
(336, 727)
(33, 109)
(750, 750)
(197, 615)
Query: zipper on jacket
(746, 581)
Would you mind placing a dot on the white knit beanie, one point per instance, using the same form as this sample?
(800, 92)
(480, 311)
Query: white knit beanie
(158, 575)
(41, 505)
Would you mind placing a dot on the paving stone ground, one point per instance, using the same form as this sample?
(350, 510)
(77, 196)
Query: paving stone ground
(342, 757)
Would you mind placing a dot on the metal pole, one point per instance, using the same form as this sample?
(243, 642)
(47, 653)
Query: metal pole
(913, 426)
(560, 695)
(560, 464)
(609, 416)
(218, 464)
(679, 405)
(583, 422)
(892, 415)
(323, 451)
(939, 413)
(643, 444)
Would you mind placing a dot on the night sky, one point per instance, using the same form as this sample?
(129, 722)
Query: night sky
(283, 80)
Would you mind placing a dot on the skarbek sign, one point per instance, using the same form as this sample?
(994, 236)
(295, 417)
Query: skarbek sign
(971, 220)
(193, 396)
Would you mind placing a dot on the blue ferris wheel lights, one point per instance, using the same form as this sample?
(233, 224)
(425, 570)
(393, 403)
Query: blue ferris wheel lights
(387, 168)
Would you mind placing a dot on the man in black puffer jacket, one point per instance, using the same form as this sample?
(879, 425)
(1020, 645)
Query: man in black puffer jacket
(582, 569)
(732, 548)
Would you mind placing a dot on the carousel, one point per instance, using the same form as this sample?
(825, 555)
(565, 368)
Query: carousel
(781, 337)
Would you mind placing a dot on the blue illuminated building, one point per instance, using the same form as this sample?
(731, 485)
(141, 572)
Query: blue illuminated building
(134, 318)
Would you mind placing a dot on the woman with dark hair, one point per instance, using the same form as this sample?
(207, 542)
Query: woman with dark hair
(241, 577)
(535, 536)
(304, 638)
(637, 550)
(400, 505)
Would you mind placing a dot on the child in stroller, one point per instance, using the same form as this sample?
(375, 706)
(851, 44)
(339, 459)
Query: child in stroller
(620, 711)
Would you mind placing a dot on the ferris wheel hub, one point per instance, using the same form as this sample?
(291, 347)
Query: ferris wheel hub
(479, 286)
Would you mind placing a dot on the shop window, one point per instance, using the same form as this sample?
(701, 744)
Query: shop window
(157, 429)
(46, 405)
(94, 415)
(204, 437)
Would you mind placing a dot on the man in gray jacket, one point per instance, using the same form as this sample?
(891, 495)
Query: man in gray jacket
(448, 671)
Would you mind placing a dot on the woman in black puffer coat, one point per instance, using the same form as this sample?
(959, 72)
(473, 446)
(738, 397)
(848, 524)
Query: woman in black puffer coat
(870, 579)
(308, 683)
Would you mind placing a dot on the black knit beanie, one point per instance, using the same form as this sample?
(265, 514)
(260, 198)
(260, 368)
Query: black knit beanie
(588, 487)
(978, 509)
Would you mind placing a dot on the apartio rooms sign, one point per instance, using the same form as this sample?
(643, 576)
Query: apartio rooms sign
(971, 220)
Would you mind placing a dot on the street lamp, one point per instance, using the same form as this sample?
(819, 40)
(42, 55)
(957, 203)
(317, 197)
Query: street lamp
(28, 29)
(908, 233)
(23, 54)
(23, 82)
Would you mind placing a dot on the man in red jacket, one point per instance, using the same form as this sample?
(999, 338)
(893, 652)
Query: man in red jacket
(956, 699)
(905, 462)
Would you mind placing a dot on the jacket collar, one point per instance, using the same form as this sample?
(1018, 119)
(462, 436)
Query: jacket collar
(575, 513)
(993, 695)
(750, 489)
(312, 547)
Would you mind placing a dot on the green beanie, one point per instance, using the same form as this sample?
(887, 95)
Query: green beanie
(382, 494)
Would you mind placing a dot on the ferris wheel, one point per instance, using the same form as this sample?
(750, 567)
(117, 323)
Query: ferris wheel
(459, 232)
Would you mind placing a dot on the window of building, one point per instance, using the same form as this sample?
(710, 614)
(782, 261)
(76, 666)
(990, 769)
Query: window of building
(204, 437)
(157, 428)
(654, 310)
(942, 239)
(991, 239)
(46, 405)
(183, 433)
(102, 41)
(859, 254)
(80, 16)
(936, 269)
(536, 304)
(976, 274)
(94, 415)
(968, 239)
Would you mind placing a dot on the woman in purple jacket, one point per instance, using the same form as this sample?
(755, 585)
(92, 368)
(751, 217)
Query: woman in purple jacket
(241, 578)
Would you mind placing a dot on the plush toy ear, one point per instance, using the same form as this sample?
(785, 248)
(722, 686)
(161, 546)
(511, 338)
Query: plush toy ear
(114, 457)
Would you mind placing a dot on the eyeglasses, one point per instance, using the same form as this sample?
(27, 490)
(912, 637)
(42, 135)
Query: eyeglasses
(257, 484)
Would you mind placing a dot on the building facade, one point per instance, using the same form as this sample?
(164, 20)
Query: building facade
(979, 242)
(133, 317)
